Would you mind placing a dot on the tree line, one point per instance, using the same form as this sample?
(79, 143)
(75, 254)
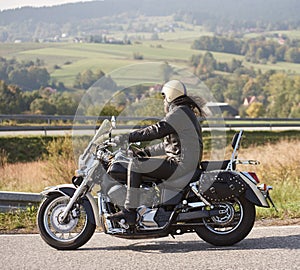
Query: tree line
(256, 50)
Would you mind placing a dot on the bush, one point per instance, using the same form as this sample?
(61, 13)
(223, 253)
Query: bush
(138, 56)
(24, 149)
(61, 160)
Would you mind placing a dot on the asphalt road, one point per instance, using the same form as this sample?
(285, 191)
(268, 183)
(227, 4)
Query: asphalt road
(265, 248)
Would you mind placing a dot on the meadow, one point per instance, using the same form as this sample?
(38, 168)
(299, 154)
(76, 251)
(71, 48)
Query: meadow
(172, 47)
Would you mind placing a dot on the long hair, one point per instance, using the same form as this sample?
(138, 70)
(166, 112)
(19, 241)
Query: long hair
(196, 103)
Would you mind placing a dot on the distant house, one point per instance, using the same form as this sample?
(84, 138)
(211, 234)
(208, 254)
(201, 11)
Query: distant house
(217, 107)
(249, 100)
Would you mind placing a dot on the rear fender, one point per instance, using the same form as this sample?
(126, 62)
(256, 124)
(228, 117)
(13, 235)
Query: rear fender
(253, 194)
(68, 191)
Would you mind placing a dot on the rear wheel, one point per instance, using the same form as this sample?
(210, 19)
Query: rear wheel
(231, 226)
(74, 232)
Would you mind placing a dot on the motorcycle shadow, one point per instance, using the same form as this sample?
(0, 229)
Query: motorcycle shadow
(173, 246)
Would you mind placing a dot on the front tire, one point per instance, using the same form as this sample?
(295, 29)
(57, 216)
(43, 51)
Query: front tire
(73, 233)
(230, 227)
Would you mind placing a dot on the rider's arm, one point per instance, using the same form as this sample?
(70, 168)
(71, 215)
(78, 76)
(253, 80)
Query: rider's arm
(153, 132)
(156, 149)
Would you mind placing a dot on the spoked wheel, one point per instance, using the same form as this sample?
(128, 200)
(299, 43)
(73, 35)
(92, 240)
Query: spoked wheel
(74, 232)
(232, 225)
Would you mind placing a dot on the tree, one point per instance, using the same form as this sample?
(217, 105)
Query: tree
(167, 71)
(234, 92)
(64, 103)
(255, 109)
(11, 100)
(42, 106)
(280, 90)
(39, 77)
(292, 55)
(207, 65)
(87, 78)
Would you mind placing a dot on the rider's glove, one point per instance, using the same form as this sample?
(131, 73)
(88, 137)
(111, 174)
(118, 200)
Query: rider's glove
(143, 153)
(121, 139)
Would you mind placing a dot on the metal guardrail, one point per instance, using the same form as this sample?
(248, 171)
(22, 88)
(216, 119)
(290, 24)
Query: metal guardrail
(83, 118)
(18, 200)
(80, 120)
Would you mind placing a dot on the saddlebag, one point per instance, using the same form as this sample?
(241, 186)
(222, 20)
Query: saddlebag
(218, 186)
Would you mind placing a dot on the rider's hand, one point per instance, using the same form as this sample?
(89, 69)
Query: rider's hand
(121, 139)
(143, 153)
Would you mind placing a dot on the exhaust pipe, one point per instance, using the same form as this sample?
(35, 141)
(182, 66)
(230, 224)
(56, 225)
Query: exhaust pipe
(197, 215)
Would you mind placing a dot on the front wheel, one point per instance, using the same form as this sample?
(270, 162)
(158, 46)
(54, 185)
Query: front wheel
(74, 232)
(234, 223)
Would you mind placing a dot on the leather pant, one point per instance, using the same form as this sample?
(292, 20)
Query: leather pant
(159, 168)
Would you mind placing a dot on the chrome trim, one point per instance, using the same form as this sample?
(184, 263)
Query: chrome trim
(147, 219)
(196, 204)
(194, 188)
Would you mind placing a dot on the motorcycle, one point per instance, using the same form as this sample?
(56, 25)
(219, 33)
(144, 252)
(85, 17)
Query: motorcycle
(217, 201)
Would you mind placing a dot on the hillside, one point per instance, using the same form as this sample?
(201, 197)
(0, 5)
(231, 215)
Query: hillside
(251, 10)
(28, 23)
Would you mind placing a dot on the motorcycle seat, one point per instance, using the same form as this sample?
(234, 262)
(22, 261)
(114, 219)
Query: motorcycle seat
(215, 165)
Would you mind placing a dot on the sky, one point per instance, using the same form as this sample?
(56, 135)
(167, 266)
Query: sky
(9, 4)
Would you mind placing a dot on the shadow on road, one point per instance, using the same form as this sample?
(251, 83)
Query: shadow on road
(276, 242)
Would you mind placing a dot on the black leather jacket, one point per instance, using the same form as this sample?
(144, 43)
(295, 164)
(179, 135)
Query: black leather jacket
(181, 132)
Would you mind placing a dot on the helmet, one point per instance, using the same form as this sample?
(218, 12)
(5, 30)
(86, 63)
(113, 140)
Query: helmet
(173, 89)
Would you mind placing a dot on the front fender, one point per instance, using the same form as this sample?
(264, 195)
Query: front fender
(68, 191)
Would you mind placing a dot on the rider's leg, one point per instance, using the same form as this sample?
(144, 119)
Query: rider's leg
(132, 197)
(155, 167)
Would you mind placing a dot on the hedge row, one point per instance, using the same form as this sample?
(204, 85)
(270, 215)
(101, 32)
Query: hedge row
(31, 148)
(24, 148)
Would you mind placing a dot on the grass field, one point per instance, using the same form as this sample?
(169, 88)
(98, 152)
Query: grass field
(173, 47)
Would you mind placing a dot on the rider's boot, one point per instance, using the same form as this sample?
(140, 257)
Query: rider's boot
(129, 212)
(130, 216)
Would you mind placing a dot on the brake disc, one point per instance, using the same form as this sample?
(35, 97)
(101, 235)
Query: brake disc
(68, 225)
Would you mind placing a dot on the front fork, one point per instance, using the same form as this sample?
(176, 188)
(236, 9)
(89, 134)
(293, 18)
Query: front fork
(81, 190)
(85, 186)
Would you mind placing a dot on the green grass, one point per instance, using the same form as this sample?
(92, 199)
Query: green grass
(175, 48)
(21, 220)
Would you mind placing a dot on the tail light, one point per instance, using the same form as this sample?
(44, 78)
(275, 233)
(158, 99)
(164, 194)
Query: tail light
(253, 176)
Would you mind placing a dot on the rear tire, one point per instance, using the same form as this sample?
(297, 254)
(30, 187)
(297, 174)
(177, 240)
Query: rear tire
(232, 226)
(70, 235)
